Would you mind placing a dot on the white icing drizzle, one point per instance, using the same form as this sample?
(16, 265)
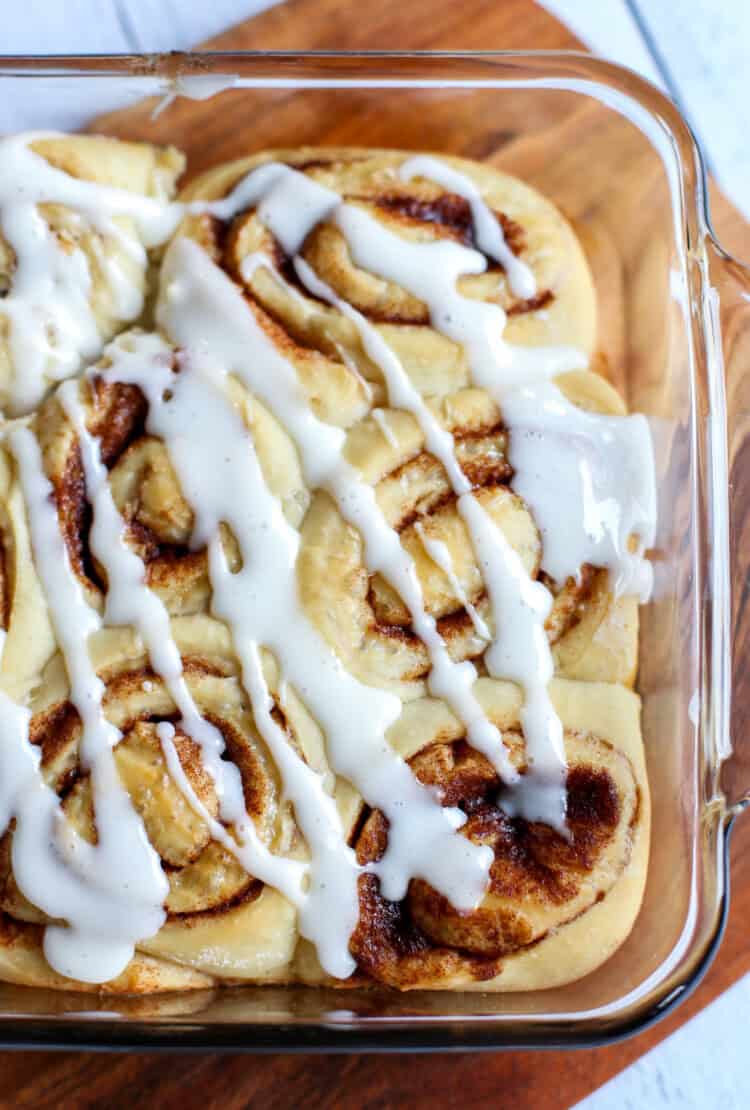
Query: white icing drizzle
(521, 652)
(589, 481)
(130, 602)
(259, 603)
(617, 452)
(430, 271)
(231, 490)
(259, 259)
(109, 894)
(53, 328)
(487, 229)
(520, 606)
(286, 875)
(203, 311)
(447, 679)
(252, 262)
(351, 365)
(441, 557)
(286, 209)
(381, 419)
(126, 296)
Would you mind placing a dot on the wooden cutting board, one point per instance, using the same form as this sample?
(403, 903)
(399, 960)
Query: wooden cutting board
(549, 1081)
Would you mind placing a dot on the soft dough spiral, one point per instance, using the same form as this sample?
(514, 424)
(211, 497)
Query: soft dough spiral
(592, 635)
(555, 908)
(563, 311)
(159, 522)
(222, 922)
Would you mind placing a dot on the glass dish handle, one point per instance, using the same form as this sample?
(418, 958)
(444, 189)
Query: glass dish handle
(729, 311)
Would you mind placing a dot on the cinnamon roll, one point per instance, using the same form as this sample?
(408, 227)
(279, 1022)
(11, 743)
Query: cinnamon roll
(593, 635)
(320, 600)
(73, 250)
(221, 922)
(548, 895)
(560, 311)
(158, 522)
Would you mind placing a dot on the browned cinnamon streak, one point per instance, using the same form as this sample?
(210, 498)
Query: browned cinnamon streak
(531, 304)
(452, 212)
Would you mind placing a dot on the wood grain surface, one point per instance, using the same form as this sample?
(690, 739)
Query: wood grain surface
(548, 1081)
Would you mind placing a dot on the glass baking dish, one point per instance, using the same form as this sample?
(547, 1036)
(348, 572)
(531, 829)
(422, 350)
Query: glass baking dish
(674, 337)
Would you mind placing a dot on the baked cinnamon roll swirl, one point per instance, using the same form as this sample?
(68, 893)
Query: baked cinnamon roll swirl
(593, 635)
(159, 522)
(561, 310)
(221, 922)
(546, 892)
(74, 243)
(322, 343)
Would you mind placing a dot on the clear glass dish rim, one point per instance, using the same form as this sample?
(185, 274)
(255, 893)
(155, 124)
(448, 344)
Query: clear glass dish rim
(475, 1032)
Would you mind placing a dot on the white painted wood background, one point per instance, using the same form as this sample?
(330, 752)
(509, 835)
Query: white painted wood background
(698, 51)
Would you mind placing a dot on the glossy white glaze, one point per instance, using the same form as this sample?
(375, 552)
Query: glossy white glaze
(589, 480)
(450, 680)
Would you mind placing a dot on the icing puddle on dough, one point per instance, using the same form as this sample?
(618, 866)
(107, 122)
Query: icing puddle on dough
(599, 510)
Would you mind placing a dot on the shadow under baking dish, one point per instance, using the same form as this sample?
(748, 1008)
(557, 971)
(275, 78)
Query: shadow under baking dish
(619, 161)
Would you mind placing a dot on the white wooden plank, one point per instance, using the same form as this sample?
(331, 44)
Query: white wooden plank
(101, 27)
(607, 28)
(706, 46)
(117, 26)
(703, 1066)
